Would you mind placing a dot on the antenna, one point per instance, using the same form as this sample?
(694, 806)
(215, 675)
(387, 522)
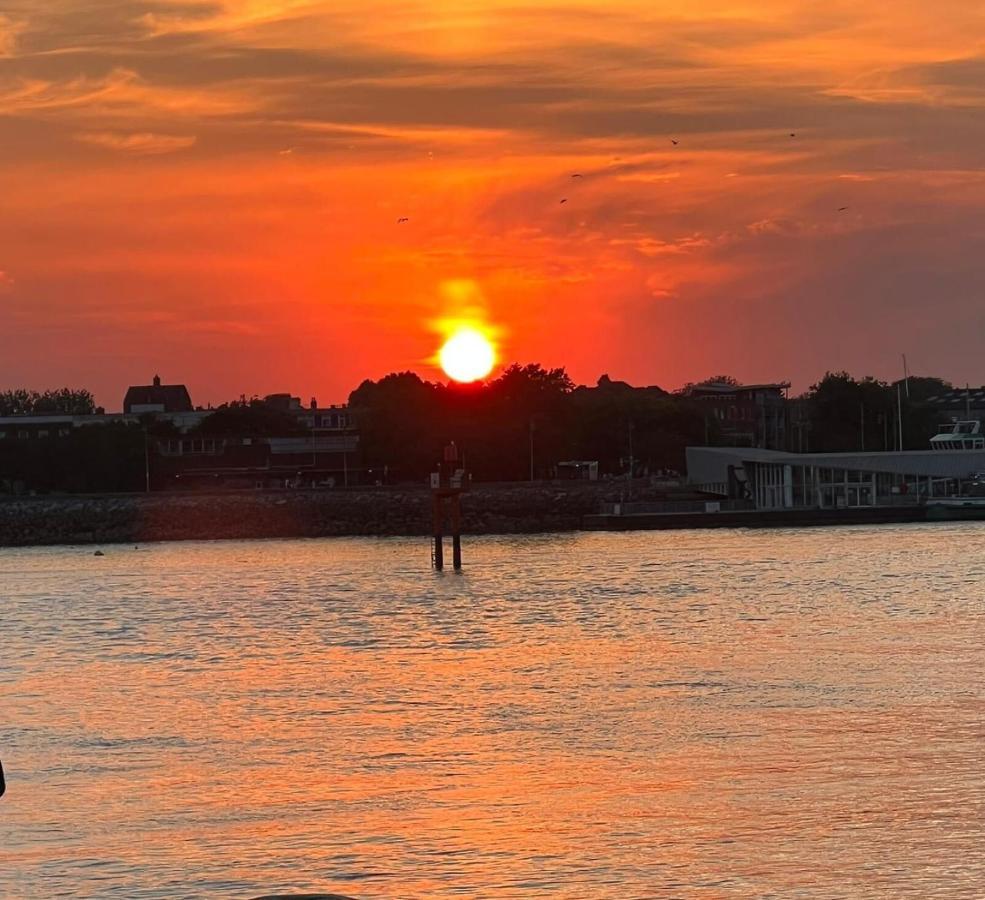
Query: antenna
(906, 377)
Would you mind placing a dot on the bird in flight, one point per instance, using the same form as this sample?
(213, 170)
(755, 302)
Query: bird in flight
(576, 175)
(565, 200)
(842, 208)
(793, 134)
(673, 142)
(403, 219)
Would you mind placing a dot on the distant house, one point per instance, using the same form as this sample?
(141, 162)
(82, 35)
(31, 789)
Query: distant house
(317, 419)
(748, 415)
(157, 398)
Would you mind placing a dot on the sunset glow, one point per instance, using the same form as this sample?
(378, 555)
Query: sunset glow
(192, 187)
(467, 355)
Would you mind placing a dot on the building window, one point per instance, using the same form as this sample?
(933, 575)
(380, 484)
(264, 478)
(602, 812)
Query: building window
(23, 434)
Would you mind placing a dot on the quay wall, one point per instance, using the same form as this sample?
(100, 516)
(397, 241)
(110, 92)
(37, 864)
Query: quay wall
(137, 518)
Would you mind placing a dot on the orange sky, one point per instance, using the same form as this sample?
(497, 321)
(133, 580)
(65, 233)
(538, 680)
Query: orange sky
(210, 189)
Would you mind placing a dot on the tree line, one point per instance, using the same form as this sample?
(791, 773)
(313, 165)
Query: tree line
(522, 423)
(519, 425)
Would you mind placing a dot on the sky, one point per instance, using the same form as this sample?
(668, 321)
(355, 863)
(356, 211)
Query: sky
(211, 189)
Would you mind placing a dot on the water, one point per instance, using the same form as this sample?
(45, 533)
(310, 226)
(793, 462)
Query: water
(695, 714)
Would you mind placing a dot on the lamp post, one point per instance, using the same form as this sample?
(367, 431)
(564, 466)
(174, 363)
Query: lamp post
(146, 462)
(631, 459)
(531, 449)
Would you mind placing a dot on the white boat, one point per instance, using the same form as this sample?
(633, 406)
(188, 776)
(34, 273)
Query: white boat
(969, 504)
(966, 435)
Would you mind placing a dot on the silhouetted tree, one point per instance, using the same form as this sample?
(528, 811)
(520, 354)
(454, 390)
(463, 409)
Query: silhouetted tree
(252, 418)
(64, 402)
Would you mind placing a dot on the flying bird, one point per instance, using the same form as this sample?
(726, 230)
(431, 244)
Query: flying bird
(403, 219)
(565, 200)
(842, 208)
(576, 175)
(792, 134)
(673, 142)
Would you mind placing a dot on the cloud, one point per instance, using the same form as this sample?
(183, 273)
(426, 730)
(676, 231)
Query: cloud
(9, 32)
(138, 143)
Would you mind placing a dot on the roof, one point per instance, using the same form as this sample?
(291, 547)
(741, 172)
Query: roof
(723, 387)
(173, 397)
(958, 396)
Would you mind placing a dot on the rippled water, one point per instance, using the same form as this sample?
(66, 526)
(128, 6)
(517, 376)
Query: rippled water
(694, 714)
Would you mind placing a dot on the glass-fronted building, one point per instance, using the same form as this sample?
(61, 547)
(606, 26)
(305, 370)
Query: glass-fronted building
(777, 480)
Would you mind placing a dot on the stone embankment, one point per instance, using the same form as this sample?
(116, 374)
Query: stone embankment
(137, 518)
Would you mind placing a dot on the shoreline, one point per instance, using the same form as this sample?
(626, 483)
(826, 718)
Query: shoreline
(516, 508)
(504, 508)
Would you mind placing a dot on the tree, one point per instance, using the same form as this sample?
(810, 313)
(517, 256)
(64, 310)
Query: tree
(401, 424)
(62, 402)
(251, 419)
(845, 414)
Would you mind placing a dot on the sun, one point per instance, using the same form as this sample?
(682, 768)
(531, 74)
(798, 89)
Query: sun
(467, 355)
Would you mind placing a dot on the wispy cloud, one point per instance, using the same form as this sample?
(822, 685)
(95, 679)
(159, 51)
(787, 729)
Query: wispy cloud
(138, 142)
(9, 31)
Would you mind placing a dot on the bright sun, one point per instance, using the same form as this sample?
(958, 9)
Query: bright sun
(467, 355)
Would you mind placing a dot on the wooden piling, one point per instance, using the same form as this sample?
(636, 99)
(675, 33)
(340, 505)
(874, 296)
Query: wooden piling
(447, 484)
(437, 514)
(456, 531)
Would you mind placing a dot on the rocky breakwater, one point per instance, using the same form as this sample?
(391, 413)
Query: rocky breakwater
(486, 509)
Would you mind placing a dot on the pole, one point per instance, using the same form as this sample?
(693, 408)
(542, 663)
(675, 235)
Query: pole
(906, 377)
(146, 463)
(967, 400)
(456, 532)
(437, 512)
(630, 459)
(899, 415)
(531, 449)
(862, 426)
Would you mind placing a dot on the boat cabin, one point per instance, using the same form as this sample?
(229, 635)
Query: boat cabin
(959, 436)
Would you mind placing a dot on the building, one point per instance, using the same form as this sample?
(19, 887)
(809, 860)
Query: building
(746, 415)
(778, 480)
(181, 453)
(578, 470)
(959, 403)
(193, 462)
(157, 398)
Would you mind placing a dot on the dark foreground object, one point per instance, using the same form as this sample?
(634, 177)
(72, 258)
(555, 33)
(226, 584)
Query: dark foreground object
(302, 897)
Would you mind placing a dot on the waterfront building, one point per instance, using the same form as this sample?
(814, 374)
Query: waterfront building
(778, 480)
